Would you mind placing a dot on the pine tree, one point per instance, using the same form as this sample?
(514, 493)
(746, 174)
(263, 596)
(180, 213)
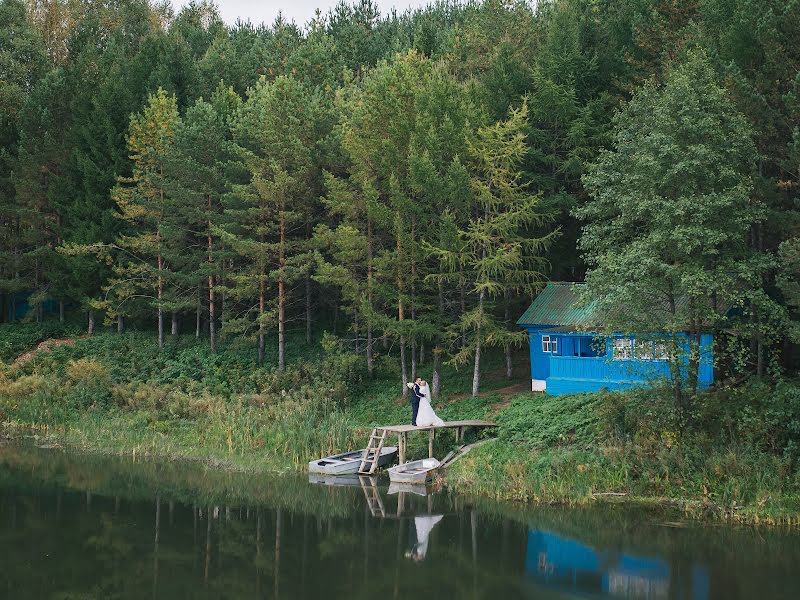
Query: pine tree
(143, 203)
(197, 179)
(275, 135)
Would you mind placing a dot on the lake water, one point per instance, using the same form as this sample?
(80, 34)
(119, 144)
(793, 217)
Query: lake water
(74, 526)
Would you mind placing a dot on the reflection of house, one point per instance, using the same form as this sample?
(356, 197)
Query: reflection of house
(568, 564)
(566, 357)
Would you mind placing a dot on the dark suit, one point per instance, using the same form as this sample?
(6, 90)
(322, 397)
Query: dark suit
(416, 394)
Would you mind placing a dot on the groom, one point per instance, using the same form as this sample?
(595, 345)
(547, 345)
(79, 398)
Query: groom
(416, 394)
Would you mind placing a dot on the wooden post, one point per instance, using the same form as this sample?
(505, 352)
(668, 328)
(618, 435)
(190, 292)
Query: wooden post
(431, 435)
(401, 455)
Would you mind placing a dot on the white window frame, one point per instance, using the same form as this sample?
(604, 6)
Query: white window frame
(554, 345)
(623, 348)
(660, 351)
(643, 350)
(546, 343)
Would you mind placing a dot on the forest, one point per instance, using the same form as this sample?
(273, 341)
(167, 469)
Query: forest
(407, 180)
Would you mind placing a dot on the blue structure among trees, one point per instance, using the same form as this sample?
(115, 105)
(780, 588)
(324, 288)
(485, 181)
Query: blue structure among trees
(569, 356)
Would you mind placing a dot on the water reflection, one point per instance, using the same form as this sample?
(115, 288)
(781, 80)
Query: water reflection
(422, 527)
(93, 527)
(568, 564)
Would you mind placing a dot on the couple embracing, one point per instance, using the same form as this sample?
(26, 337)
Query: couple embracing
(422, 414)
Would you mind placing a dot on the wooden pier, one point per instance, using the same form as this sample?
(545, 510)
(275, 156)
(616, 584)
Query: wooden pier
(402, 432)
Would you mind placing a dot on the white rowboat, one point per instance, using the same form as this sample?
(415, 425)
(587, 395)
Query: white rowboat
(348, 462)
(416, 471)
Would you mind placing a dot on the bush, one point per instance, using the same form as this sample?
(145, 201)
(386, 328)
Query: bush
(544, 421)
(16, 338)
(756, 415)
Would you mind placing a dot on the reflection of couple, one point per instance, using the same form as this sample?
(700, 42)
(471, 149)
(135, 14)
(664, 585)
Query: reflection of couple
(422, 414)
(423, 526)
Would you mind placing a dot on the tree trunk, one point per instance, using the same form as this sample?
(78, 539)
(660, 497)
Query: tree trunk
(261, 305)
(401, 309)
(120, 323)
(60, 311)
(160, 308)
(174, 328)
(370, 362)
(212, 326)
(694, 360)
(509, 357)
(308, 309)
(403, 366)
(90, 328)
(282, 296)
(437, 375)
(356, 331)
(476, 372)
(197, 315)
(413, 301)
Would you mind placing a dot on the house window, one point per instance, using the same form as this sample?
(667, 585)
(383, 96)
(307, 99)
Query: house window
(546, 343)
(660, 351)
(622, 348)
(554, 345)
(643, 350)
(647, 350)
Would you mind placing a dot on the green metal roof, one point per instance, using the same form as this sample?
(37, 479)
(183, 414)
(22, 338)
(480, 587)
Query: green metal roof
(559, 304)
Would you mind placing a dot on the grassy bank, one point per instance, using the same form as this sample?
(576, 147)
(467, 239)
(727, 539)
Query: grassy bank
(736, 458)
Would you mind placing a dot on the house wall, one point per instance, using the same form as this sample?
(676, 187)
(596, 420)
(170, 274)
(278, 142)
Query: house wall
(566, 373)
(540, 364)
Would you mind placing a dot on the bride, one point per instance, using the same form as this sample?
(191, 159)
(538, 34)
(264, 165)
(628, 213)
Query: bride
(425, 416)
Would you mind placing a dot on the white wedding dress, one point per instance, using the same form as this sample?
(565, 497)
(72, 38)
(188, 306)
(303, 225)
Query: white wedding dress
(425, 416)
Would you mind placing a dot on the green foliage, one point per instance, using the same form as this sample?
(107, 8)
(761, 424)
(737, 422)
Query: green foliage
(542, 422)
(20, 337)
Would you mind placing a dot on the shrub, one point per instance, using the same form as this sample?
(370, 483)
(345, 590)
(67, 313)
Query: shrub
(544, 421)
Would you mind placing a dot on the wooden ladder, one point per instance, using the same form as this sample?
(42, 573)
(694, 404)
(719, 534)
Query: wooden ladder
(369, 463)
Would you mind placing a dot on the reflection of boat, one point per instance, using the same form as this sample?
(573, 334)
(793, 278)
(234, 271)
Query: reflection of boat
(348, 462)
(416, 471)
(337, 480)
(420, 489)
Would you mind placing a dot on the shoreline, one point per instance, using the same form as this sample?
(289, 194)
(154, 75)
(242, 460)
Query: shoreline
(458, 481)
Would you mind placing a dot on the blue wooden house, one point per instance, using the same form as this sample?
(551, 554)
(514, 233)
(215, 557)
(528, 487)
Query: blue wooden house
(567, 357)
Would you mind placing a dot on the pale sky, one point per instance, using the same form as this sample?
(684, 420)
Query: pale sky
(300, 11)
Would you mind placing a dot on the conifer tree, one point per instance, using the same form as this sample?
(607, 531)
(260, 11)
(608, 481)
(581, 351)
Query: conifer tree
(197, 180)
(275, 135)
(498, 248)
(143, 203)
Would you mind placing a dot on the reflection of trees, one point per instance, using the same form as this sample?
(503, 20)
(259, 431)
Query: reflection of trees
(128, 546)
